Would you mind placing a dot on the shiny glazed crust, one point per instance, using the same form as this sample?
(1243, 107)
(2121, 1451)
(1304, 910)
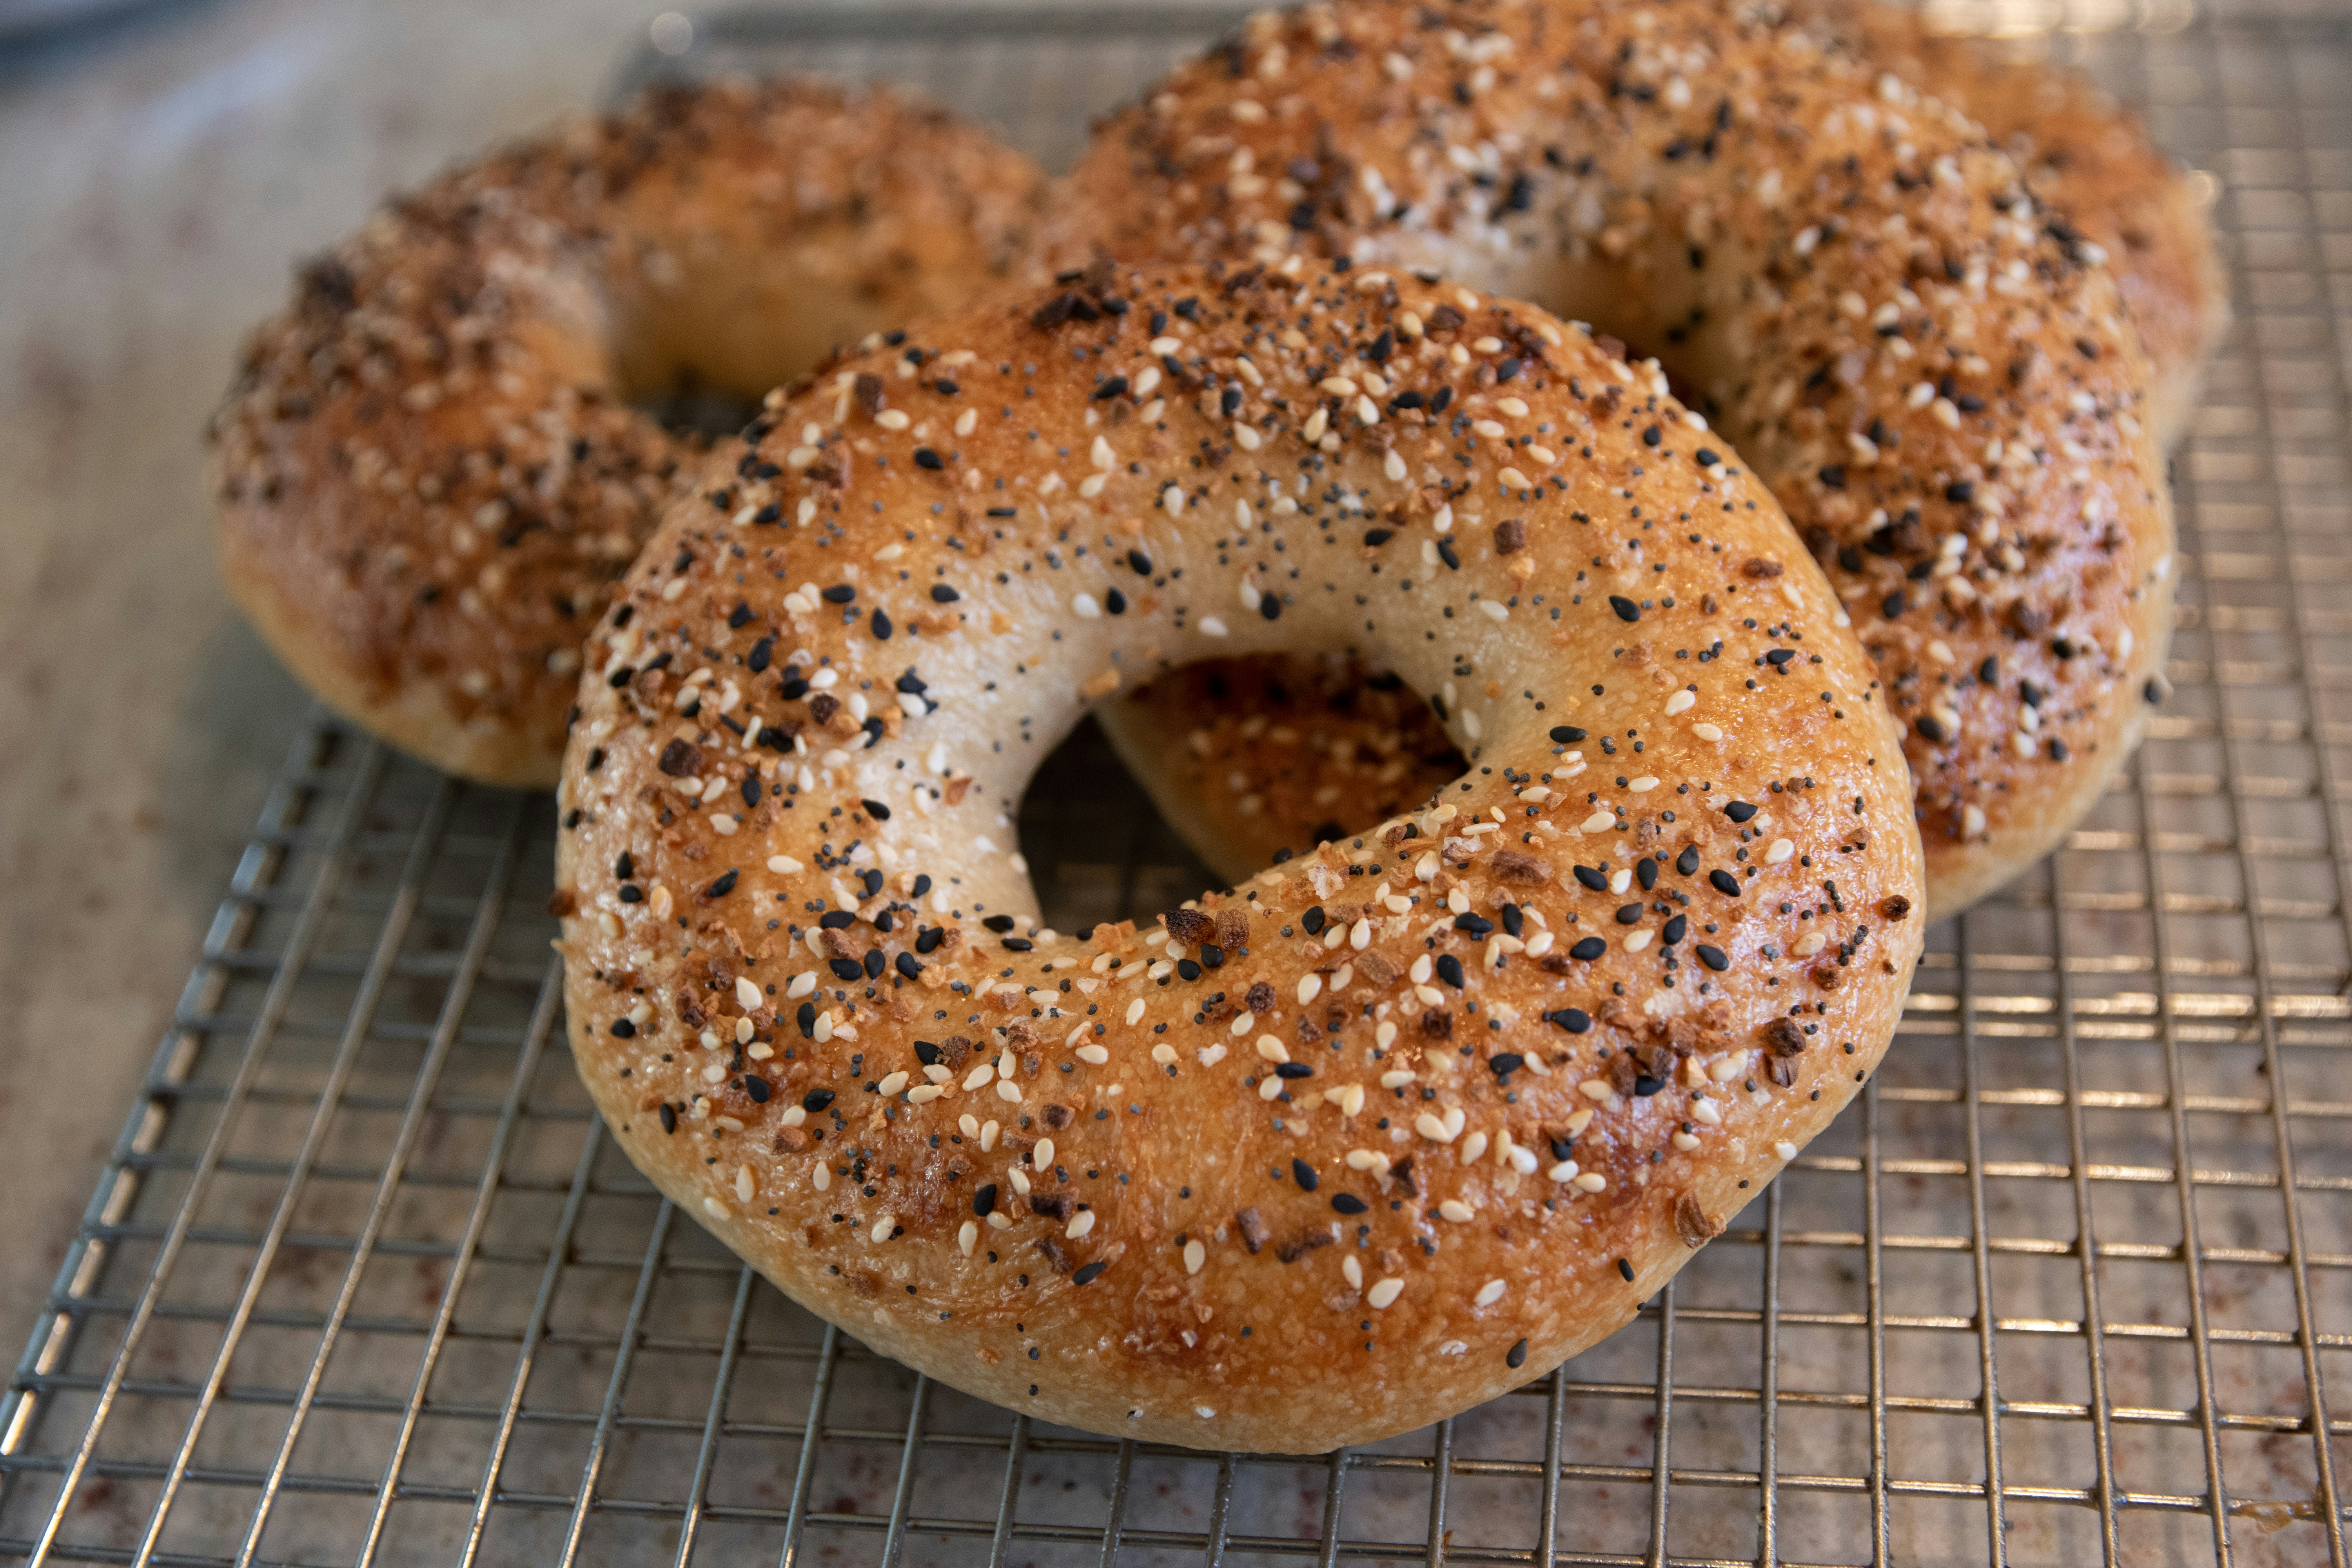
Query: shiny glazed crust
(1382, 1133)
(1936, 377)
(427, 477)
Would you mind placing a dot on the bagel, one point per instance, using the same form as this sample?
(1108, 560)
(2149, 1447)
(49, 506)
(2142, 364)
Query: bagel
(1936, 377)
(427, 473)
(1383, 1133)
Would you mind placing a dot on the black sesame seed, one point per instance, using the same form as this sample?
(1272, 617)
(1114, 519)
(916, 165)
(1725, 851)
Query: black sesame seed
(1724, 882)
(1589, 947)
(1627, 610)
(1713, 958)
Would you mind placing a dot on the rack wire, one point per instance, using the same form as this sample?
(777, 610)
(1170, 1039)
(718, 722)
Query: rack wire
(363, 1281)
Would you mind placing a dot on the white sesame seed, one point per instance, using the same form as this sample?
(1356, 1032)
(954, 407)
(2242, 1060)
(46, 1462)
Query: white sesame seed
(1093, 1055)
(1595, 1089)
(1271, 1049)
(882, 1227)
(1085, 609)
(1563, 1171)
(1431, 1128)
(746, 992)
(1643, 785)
(1245, 436)
(1707, 731)
(1393, 465)
(1811, 944)
(1383, 1293)
(716, 1209)
(1781, 849)
(1592, 1182)
(1787, 1150)
(1457, 1211)
(783, 865)
(1195, 1255)
(1309, 986)
(891, 1084)
(1007, 1090)
(1102, 454)
(1489, 1293)
(1211, 626)
(1680, 702)
(744, 1190)
(892, 419)
(967, 1237)
(1080, 1224)
(1599, 821)
(1350, 1099)
(1704, 1110)
(822, 1177)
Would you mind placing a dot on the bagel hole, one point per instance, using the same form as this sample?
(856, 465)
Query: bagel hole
(1097, 847)
(697, 411)
(701, 354)
(1288, 751)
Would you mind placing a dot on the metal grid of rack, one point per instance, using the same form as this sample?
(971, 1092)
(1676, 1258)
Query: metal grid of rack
(2071, 1282)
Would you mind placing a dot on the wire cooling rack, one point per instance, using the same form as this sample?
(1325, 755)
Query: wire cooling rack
(363, 1282)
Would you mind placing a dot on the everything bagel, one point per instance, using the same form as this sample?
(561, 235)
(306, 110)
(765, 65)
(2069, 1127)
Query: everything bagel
(428, 477)
(1935, 377)
(1375, 1137)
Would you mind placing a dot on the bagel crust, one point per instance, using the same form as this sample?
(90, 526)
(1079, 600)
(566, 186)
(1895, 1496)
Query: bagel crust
(2086, 158)
(1935, 378)
(1380, 1135)
(427, 477)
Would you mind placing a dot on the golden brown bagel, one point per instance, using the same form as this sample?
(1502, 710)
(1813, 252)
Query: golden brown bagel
(428, 472)
(1936, 379)
(1438, 1113)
